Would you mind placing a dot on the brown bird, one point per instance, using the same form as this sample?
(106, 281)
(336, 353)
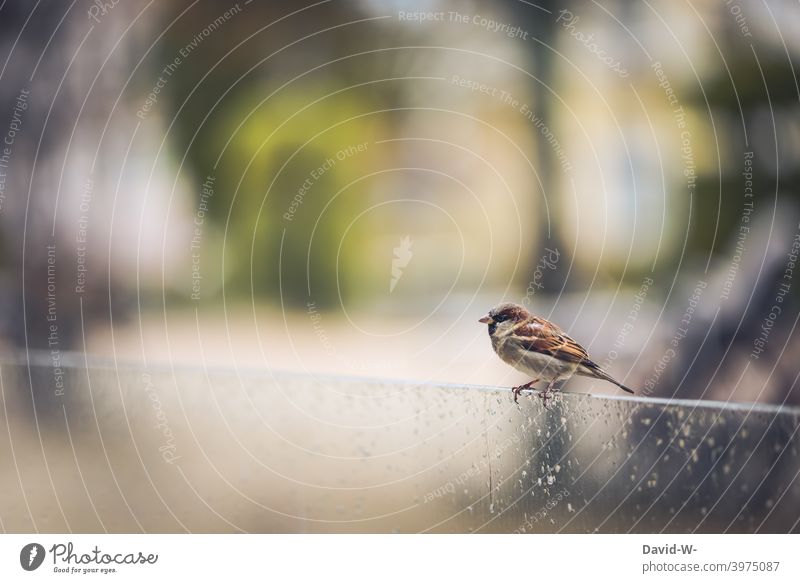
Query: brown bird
(539, 348)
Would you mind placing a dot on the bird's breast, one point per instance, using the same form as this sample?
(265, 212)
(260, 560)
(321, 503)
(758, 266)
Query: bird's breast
(528, 361)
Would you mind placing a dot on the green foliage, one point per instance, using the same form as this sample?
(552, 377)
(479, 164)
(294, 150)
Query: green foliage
(289, 180)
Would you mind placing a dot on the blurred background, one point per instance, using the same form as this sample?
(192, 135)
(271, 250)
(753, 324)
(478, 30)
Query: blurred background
(346, 186)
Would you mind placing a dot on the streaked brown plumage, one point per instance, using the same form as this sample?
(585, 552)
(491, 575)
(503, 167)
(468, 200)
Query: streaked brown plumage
(539, 348)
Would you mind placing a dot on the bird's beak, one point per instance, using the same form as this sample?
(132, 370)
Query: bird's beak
(487, 319)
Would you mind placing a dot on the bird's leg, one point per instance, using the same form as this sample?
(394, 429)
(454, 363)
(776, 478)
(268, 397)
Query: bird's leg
(546, 394)
(519, 389)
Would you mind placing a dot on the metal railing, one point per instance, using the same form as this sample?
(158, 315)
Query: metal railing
(127, 449)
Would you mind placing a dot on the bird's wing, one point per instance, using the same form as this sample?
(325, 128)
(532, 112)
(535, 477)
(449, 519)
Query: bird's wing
(546, 338)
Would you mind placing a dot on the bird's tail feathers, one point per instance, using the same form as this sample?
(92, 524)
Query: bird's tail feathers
(590, 369)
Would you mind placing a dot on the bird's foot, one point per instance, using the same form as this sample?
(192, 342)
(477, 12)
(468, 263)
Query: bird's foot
(545, 396)
(518, 390)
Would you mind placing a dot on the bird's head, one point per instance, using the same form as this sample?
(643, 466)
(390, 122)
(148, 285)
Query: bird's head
(504, 315)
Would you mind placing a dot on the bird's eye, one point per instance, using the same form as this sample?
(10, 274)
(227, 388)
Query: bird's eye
(500, 318)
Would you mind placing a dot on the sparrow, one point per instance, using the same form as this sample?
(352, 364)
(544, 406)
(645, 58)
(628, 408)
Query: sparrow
(539, 348)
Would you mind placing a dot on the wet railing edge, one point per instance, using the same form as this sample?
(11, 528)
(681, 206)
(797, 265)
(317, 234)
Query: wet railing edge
(80, 361)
